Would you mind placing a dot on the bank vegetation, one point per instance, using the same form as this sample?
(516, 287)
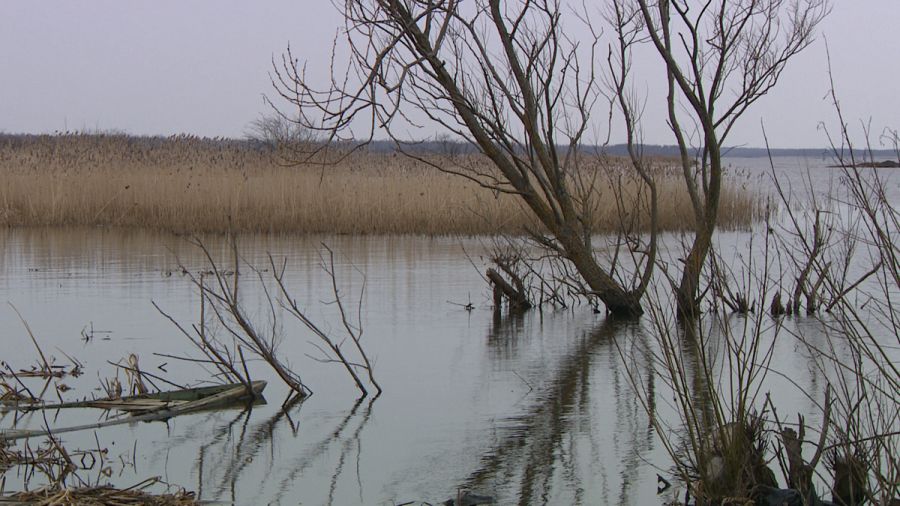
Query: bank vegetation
(186, 184)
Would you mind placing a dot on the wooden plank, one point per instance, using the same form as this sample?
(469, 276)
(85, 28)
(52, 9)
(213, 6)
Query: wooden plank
(186, 395)
(213, 401)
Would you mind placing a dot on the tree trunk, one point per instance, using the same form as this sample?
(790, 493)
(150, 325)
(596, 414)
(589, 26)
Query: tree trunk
(686, 295)
(619, 302)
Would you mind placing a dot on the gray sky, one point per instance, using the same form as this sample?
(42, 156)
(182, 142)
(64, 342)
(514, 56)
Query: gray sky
(201, 67)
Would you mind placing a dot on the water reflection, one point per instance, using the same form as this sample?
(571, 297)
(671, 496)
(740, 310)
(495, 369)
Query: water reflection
(243, 458)
(228, 480)
(538, 457)
(341, 436)
(504, 334)
(353, 441)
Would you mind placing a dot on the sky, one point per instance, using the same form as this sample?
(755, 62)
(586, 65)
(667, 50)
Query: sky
(202, 67)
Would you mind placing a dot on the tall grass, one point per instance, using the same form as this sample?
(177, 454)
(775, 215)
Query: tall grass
(186, 184)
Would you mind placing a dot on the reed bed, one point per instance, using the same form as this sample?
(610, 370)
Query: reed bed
(187, 184)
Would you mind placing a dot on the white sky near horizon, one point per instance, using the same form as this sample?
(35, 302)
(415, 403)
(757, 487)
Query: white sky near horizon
(202, 66)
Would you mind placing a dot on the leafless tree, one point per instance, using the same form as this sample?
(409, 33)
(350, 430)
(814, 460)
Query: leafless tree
(507, 78)
(279, 133)
(504, 77)
(720, 57)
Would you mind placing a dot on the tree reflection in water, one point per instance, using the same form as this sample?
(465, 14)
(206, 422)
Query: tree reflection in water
(537, 458)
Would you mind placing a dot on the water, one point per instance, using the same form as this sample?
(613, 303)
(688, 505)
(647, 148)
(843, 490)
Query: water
(469, 401)
(535, 409)
(803, 177)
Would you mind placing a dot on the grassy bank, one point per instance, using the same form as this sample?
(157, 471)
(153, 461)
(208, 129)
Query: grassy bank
(186, 184)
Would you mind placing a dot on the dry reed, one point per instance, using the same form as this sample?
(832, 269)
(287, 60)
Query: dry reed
(101, 496)
(186, 184)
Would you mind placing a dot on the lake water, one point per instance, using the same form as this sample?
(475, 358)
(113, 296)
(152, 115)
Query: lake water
(534, 409)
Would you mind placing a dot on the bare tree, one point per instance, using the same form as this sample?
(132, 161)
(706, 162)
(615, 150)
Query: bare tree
(279, 133)
(504, 77)
(720, 57)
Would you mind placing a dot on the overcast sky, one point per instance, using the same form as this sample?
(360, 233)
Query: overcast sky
(201, 67)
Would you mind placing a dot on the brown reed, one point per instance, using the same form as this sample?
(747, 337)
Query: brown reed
(100, 496)
(185, 184)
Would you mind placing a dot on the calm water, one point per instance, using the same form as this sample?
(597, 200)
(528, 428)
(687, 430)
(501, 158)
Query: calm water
(534, 409)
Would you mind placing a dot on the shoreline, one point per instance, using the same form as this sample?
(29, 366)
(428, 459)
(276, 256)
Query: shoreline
(884, 164)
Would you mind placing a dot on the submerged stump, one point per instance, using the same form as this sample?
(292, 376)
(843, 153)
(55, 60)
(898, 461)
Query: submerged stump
(518, 301)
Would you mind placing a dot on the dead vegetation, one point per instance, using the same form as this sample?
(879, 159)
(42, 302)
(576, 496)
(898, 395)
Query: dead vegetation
(52, 460)
(67, 476)
(101, 496)
(225, 328)
(191, 185)
(220, 298)
(72, 477)
(835, 259)
(45, 368)
(355, 360)
(223, 334)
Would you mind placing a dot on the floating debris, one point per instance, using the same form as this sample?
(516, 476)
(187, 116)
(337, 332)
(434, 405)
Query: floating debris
(148, 407)
(101, 496)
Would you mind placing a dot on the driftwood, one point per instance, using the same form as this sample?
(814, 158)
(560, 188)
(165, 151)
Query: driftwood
(172, 409)
(518, 301)
(143, 402)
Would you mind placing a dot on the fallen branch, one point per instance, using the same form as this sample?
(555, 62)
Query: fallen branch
(518, 301)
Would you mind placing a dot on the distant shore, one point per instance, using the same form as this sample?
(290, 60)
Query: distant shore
(884, 164)
(445, 146)
(193, 185)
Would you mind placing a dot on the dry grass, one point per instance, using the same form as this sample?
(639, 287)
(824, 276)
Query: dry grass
(100, 496)
(53, 461)
(186, 185)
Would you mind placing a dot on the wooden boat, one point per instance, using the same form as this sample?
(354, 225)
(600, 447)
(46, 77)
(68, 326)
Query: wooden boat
(158, 406)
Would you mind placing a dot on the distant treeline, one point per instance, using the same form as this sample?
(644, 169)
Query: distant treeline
(448, 147)
(142, 141)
